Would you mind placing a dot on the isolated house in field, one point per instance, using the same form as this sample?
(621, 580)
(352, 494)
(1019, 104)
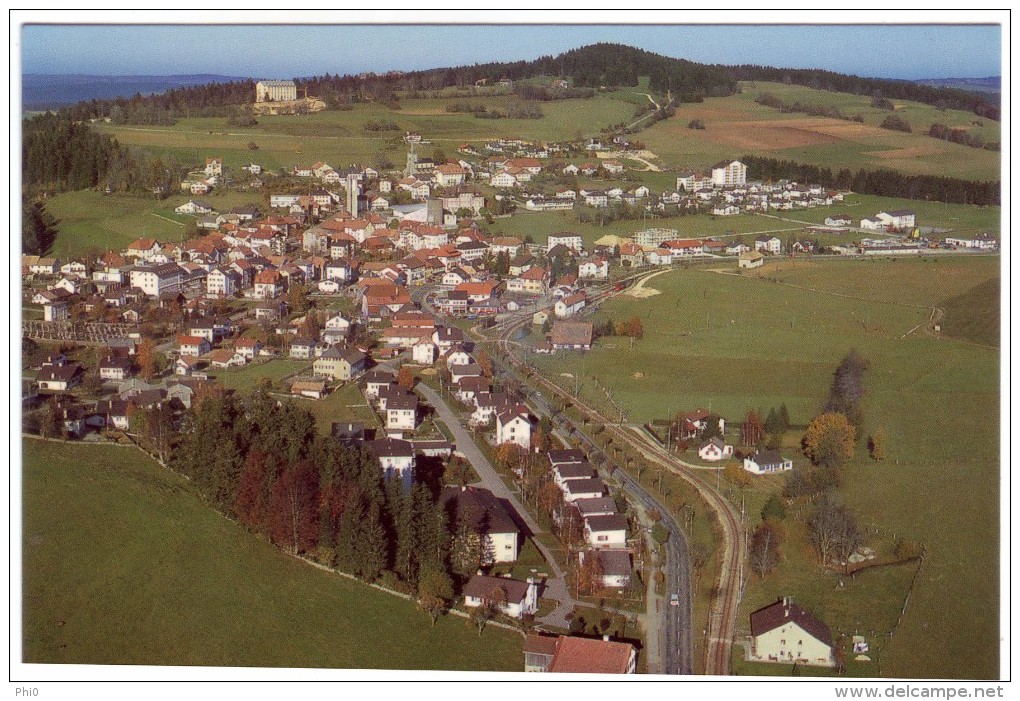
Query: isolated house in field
(484, 516)
(767, 462)
(750, 260)
(715, 450)
(784, 632)
(571, 335)
(511, 597)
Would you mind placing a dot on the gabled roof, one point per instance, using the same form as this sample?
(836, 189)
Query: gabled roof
(602, 524)
(482, 586)
(478, 509)
(585, 486)
(390, 448)
(785, 611)
(584, 655)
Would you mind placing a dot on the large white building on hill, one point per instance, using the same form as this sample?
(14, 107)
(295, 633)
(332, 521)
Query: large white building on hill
(275, 91)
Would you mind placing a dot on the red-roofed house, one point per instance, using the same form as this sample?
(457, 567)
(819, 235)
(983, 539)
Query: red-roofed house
(567, 654)
(193, 345)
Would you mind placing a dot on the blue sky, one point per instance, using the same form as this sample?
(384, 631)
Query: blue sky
(281, 51)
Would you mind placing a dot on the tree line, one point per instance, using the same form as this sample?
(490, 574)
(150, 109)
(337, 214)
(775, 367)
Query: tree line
(207, 100)
(942, 98)
(262, 462)
(882, 182)
(58, 154)
(769, 100)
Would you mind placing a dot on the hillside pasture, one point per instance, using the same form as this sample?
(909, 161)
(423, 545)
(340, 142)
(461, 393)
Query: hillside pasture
(736, 125)
(123, 564)
(734, 342)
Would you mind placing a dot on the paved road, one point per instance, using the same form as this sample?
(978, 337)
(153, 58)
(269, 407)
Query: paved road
(672, 649)
(555, 586)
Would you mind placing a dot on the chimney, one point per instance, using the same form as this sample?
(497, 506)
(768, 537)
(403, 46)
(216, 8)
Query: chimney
(605, 638)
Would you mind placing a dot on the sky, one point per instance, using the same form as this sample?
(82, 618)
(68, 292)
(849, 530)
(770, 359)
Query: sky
(281, 51)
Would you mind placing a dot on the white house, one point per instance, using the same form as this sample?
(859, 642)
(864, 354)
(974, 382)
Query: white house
(750, 260)
(512, 597)
(784, 632)
(396, 457)
(424, 352)
(898, 218)
(594, 269)
(606, 531)
(402, 412)
(715, 450)
(572, 241)
(193, 345)
(194, 207)
(769, 244)
(513, 425)
(486, 517)
(766, 462)
(157, 279)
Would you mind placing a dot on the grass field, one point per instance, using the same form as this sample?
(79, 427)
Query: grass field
(974, 315)
(734, 125)
(87, 219)
(344, 404)
(247, 377)
(734, 342)
(959, 217)
(340, 137)
(540, 224)
(124, 565)
(737, 125)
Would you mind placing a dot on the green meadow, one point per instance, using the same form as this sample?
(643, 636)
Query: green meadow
(123, 564)
(734, 342)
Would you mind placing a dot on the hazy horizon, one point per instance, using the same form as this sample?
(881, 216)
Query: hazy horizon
(905, 52)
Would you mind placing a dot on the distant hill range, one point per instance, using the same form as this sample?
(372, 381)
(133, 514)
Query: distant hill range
(589, 68)
(992, 84)
(43, 92)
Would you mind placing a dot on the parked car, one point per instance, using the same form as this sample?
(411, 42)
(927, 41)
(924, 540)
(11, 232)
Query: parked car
(674, 599)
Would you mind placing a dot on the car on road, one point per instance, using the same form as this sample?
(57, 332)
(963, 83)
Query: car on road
(674, 599)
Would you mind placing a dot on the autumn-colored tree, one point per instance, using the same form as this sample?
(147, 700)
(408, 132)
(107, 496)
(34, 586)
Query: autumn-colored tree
(737, 475)
(405, 378)
(752, 430)
(634, 329)
(829, 440)
(458, 471)
(549, 498)
(250, 504)
(876, 445)
(206, 391)
(146, 356)
(589, 574)
(484, 362)
(294, 507)
(50, 421)
(435, 591)
(311, 326)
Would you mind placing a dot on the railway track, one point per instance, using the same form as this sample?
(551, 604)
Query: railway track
(722, 616)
